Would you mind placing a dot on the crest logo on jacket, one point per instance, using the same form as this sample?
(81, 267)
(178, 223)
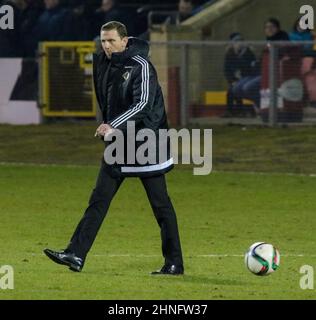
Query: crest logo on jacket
(126, 75)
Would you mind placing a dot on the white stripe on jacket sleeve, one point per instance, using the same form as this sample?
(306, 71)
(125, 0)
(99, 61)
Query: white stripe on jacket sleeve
(144, 95)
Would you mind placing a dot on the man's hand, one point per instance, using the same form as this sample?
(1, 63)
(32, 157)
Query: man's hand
(103, 130)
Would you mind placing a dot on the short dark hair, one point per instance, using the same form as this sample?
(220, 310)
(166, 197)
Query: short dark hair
(275, 22)
(235, 36)
(115, 25)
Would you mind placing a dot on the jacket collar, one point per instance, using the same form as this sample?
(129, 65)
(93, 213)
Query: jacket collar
(134, 47)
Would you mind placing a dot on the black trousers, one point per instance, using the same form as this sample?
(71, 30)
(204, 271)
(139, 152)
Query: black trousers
(104, 191)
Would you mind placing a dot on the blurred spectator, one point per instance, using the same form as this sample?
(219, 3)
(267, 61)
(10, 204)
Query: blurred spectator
(251, 89)
(54, 24)
(299, 34)
(81, 19)
(108, 11)
(185, 9)
(273, 32)
(240, 69)
(29, 17)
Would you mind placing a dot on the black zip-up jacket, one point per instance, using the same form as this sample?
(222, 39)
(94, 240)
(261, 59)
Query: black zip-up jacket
(127, 89)
(244, 62)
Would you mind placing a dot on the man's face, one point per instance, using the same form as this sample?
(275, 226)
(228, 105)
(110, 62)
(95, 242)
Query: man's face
(270, 29)
(238, 44)
(112, 42)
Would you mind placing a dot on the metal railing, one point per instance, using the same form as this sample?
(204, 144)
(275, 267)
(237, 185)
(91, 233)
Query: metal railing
(283, 80)
(200, 81)
(165, 18)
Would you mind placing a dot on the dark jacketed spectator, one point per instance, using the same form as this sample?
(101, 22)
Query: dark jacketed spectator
(240, 68)
(273, 32)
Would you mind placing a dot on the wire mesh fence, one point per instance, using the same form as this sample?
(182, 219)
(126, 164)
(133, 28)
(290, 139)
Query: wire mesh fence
(247, 82)
(66, 86)
(242, 82)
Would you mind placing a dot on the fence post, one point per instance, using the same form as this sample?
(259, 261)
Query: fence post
(184, 85)
(273, 85)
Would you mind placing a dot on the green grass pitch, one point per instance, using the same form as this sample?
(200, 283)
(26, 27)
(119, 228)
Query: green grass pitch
(219, 216)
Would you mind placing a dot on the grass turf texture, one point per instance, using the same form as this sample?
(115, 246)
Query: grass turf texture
(219, 216)
(234, 148)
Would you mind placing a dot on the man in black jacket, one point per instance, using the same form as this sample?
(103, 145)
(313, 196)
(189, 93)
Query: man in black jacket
(128, 92)
(239, 68)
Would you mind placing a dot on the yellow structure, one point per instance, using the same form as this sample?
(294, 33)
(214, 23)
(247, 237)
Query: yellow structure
(218, 98)
(66, 82)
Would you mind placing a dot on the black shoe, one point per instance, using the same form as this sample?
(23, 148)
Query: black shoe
(66, 258)
(171, 270)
